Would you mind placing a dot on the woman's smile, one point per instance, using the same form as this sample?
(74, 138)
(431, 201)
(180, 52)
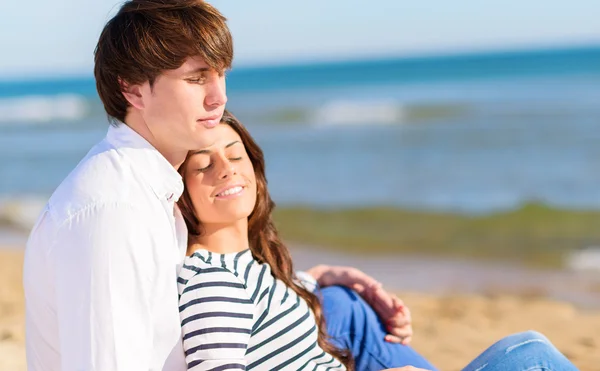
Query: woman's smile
(231, 192)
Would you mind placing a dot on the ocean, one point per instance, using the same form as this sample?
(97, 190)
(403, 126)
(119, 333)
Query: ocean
(471, 133)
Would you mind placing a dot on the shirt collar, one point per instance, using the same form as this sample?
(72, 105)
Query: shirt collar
(162, 177)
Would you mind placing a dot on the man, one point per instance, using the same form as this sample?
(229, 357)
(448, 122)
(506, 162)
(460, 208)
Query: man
(101, 262)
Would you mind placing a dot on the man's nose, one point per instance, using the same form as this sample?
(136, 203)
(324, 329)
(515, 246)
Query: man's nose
(216, 95)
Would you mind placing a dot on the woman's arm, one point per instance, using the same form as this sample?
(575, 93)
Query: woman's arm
(216, 317)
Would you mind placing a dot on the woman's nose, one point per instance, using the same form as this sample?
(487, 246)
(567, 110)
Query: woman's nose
(226, 169)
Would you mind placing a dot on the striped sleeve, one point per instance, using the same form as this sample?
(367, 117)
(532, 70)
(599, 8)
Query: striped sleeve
(217, 317)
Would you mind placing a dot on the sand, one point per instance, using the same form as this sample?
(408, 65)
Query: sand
(449, 330)
(12, 311)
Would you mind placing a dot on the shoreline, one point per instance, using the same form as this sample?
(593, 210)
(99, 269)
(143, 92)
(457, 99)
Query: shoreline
(532, 234)
(12, 239)
(450, 276)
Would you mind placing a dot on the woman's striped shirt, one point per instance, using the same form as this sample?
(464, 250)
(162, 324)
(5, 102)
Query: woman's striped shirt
(236, 316)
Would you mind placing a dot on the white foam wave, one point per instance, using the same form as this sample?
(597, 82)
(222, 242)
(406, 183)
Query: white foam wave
(21, 212)
(587, 259)
(36, 108)
(359, 113)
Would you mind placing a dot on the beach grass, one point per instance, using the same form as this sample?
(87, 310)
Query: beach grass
(535, 234)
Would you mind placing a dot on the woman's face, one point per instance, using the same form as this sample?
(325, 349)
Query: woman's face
(220, 179)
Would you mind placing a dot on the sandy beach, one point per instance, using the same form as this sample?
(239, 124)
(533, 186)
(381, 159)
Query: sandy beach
(12, 311)
(450, 329)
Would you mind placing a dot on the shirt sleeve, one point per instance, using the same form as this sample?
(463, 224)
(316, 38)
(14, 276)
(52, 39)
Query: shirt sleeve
(217, 317)
(307, 281)
(104, 272)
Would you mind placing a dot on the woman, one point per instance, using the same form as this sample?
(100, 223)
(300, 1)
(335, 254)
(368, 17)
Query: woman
(242, 306)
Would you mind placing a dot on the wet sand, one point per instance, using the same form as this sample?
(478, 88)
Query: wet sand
(444, 276)
(451, 328)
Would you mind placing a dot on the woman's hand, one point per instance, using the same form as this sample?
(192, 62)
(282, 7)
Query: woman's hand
(390, 309)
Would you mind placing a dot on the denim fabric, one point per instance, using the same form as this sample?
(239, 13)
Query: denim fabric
(525, 351)
(353, 325)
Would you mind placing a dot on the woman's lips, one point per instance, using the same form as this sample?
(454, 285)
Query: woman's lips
(230, 192)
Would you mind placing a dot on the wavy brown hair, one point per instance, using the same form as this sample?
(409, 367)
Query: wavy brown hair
(265, 243)
(148, 37)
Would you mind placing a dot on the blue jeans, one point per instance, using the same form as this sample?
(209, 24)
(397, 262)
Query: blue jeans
(353, 325)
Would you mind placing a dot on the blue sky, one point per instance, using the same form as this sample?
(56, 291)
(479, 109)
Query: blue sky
(42, 37)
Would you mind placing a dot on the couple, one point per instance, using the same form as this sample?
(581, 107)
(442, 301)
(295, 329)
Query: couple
(127, 269)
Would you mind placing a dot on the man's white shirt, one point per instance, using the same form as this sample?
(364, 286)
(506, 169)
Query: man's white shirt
(102, 261)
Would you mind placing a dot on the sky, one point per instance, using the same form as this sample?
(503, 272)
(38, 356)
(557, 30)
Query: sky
(43, 37)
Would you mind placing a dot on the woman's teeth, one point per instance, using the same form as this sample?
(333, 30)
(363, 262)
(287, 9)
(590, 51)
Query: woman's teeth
(230, 191)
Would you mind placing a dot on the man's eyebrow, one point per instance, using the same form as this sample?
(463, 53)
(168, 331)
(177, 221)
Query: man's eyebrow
(197, 70)
(208, 151)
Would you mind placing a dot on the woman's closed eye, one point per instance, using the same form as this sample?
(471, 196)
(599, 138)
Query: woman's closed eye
(207, 167)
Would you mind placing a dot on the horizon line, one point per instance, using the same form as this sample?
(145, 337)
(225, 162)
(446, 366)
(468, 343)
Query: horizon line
(309, 62)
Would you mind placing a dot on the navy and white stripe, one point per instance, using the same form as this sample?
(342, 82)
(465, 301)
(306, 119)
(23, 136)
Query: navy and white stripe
(236, 316)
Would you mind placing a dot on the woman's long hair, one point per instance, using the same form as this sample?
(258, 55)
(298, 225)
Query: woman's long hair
(265, 243)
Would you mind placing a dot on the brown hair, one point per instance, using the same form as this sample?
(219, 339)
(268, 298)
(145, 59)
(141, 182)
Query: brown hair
(265, 243)
(147, 37)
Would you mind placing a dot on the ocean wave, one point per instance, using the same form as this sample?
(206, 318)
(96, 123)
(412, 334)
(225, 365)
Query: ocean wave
(37, 109)
(21, 212)
(587, 259)
(359, 113)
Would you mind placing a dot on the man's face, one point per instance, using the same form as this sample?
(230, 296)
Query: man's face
(182, 104)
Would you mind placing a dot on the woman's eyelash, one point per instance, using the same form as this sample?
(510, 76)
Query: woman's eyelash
(211, 164)
(205, 168)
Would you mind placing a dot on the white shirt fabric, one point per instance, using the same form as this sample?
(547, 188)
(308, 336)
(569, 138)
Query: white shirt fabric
(102, 261)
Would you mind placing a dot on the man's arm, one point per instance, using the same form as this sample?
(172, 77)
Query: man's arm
(104, 286)
(391, 310)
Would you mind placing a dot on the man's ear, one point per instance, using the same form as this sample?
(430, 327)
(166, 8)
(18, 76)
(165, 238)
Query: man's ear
(133, 93)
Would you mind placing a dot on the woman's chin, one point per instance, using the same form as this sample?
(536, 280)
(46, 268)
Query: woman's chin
(235, 216)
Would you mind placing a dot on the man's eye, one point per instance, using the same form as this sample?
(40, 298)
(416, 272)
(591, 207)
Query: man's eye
(199, 80)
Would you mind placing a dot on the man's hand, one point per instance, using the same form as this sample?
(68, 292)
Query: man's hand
(327, 275)
(390, 309)
(392, 312)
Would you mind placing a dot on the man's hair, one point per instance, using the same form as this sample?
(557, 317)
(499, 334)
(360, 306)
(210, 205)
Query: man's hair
(147, 37)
